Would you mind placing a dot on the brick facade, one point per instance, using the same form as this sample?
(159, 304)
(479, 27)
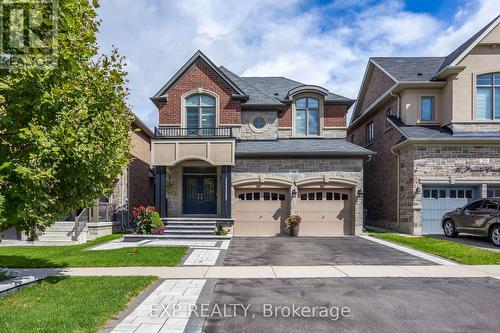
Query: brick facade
(201, 75)
(335, 115)
(378, 85)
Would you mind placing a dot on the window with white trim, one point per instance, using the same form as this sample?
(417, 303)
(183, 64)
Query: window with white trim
(200, 112)
(488, 96)
(307, 116)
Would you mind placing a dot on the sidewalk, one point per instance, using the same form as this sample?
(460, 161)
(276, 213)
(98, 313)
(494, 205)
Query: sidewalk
(272, 272)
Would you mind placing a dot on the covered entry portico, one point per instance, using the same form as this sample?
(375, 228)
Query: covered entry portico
(193, 176)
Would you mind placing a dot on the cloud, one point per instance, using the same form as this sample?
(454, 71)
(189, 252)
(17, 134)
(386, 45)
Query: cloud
(328, 45)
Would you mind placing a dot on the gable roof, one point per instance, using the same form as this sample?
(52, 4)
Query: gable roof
(417, 70)
(458, 53)
(187, 66)
(410, 68)
(255, 91)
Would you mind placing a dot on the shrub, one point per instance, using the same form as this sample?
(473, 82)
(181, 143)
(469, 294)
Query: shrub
(146, 219)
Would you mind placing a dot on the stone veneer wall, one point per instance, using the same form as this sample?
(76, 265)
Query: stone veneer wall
(270, 132)
(471, 127)
(300, 169)
(437, 160)
(174, 183)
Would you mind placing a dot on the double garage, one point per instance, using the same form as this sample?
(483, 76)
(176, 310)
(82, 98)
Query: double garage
(325, 211)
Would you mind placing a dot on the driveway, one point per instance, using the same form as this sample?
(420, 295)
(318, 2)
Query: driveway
(476, 241)
(308, 251)
(375, 305)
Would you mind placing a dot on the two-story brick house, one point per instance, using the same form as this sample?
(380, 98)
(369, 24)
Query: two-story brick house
(435, 125)
(249, 151)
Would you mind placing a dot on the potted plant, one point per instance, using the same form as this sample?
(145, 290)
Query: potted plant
(292, 225)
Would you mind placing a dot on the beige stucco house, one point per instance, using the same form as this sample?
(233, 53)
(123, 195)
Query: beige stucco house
(435, 125)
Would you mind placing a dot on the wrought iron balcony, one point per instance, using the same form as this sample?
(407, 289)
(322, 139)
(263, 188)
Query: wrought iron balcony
(180, 132)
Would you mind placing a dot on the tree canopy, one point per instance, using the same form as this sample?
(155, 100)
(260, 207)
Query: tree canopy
(64, 127)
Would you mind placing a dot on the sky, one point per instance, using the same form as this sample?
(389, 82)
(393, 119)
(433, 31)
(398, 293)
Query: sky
(327, 43)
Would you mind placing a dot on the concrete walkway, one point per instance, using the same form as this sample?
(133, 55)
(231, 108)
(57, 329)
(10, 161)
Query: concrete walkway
(273, 272)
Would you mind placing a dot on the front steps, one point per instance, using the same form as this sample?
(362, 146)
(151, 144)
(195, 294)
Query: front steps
(62, 231)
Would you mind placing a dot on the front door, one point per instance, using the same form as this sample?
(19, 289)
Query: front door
(200, 194)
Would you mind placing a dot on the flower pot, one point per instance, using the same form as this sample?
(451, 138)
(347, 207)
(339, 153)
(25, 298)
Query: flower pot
(294, 229)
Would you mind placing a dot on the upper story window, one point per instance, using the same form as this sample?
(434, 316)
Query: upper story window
(427, 105)
(307, 116)
(488, 96)
(200, 111)
(369, 133)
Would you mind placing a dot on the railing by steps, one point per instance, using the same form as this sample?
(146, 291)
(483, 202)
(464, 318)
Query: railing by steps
(80, 222)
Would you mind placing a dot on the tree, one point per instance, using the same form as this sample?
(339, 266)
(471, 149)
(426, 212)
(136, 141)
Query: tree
(64, 128)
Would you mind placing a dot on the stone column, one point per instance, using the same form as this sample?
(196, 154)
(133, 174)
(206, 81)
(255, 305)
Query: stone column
(294, 200)
(226, 196)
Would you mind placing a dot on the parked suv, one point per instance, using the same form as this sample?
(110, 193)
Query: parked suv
(481, 217)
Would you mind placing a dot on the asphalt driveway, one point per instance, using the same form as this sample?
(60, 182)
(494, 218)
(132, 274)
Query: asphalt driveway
(375, 305)
(308, 251)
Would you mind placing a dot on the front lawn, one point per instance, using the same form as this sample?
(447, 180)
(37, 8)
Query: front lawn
(464, 254)
(68, 304)
(79, 256)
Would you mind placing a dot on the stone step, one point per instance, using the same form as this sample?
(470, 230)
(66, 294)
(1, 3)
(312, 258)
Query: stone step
(190, 227)
(56, 233)
(135, 238)
(210, 223)
(54, 238)
(189, 232)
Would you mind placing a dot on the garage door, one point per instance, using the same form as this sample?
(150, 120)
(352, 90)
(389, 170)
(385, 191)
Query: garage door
(260, 212)
(436, 201)
(325, 212)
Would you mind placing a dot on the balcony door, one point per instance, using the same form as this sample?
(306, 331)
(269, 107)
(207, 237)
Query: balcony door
(200, 114)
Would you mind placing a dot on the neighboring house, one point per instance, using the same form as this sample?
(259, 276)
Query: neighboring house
(134, 187)
(435, 125)
(250, 151)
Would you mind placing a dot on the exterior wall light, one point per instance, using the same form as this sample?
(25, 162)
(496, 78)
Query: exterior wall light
(360, 193)
(294, 193)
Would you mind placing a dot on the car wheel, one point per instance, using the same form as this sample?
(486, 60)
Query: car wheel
(495, 235)
(449, 229)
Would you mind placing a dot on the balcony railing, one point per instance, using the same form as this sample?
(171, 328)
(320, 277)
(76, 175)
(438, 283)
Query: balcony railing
(179, 132)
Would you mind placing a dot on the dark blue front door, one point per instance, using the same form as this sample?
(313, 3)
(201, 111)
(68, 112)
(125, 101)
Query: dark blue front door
(199, 194)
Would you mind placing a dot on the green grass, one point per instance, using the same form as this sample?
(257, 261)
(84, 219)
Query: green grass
(68, 304)
(464, 254)
(79, 256)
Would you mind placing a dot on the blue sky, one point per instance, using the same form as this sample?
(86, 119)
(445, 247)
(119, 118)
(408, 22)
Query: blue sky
(327, 43)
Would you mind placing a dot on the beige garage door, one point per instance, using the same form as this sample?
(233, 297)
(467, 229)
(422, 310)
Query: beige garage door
(325, 212)
(260, 212)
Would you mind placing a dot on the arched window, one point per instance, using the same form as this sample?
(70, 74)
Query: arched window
(200, 111)
(488, 96)
(307, 116)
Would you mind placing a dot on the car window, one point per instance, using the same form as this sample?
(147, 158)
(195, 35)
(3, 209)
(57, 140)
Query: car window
(474, 206)
(490, 204)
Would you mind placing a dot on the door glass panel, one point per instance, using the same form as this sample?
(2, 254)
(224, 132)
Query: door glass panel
(453, 193)
(319, 195)
(468, 194)
(313, 121)
(248, 196)
(274, 196)
(345, 197)
(282, 197)
(208, 189)
(461, 193)
(300, 122)
(267, 196)
(434, 194)
(427, 193)
(303, 196)
(442, 193)
(310, 196)
(191, 188)
(336, 196)
(329, 196)
(241, 196)
(256, 195)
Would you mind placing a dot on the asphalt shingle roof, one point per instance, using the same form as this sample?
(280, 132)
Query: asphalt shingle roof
(271, 90)
(436, 131)
(299, 147)
(410, 68)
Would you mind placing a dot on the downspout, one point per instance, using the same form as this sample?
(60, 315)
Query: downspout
(398, 111)
(397, 184)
